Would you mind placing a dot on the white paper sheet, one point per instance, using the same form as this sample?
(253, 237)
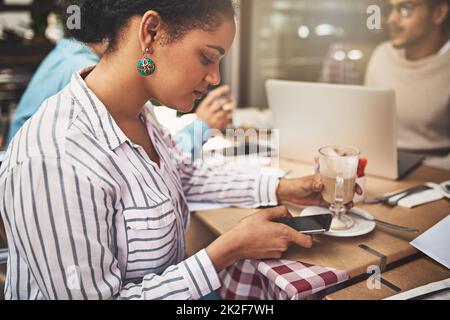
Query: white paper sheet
(429, 288)
(434, 242)
(421, 198)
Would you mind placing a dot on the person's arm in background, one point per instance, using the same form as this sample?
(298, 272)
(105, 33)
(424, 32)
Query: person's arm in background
(211, 115)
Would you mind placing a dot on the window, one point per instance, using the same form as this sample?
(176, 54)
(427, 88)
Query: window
(291, 40)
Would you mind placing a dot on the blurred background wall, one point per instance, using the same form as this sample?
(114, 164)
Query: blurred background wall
(28, 32)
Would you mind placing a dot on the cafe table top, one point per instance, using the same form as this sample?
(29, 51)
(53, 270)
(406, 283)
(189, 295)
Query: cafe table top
(382, 247)
(409, 276)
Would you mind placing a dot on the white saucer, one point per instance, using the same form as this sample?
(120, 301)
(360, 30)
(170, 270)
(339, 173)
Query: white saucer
(361, 226)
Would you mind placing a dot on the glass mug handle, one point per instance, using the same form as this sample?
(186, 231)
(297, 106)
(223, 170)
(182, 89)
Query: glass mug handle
(339, 197)
(339, 189)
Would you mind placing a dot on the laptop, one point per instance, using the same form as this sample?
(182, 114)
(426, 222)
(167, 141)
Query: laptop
(312, 115)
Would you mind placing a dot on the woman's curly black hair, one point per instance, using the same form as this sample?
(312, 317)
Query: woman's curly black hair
(104, 19)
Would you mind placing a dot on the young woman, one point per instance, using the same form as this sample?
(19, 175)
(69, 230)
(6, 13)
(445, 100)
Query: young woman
(94, 193)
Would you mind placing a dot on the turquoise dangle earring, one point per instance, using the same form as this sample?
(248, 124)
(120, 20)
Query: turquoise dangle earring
(146, 66)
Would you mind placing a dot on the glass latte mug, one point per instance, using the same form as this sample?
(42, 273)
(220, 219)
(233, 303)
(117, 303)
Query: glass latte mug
(338, 171)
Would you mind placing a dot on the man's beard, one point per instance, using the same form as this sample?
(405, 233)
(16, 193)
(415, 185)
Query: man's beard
(411, 42)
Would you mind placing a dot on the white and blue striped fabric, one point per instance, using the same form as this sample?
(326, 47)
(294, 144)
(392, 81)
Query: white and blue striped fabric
(88, 215)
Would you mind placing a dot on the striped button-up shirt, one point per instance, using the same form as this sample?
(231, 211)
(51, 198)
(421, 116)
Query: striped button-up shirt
(88, 215)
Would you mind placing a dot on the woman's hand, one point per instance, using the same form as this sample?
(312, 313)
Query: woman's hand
(256, 237)
(213, 109)
(306, 191)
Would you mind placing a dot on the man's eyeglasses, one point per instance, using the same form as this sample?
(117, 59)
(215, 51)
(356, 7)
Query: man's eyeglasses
(404, 9)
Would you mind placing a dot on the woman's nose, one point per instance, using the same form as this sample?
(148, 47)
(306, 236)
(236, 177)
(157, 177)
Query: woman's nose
(213, 77)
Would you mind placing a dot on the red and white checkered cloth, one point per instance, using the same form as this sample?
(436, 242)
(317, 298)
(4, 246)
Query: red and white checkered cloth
(277, 280)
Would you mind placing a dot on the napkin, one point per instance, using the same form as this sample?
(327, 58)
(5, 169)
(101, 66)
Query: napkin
(421, 198)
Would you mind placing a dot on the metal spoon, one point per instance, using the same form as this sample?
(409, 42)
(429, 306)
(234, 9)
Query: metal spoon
(383, 223)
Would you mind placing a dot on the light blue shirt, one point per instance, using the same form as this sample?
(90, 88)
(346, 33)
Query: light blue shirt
(54, 73)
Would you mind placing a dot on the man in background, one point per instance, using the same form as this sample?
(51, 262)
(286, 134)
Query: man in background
(416, 64)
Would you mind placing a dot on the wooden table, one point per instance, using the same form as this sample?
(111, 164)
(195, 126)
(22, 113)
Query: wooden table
(383, 247)
(411, 275)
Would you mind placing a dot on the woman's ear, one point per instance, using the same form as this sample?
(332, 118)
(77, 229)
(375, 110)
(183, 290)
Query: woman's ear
(150, 29)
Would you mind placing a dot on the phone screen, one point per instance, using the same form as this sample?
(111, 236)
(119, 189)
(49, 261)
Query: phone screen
(309, 225)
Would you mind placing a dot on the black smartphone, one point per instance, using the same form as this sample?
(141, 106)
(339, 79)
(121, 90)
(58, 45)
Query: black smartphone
(317, 224)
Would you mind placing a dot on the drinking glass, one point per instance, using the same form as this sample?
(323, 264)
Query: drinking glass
(338, 170)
